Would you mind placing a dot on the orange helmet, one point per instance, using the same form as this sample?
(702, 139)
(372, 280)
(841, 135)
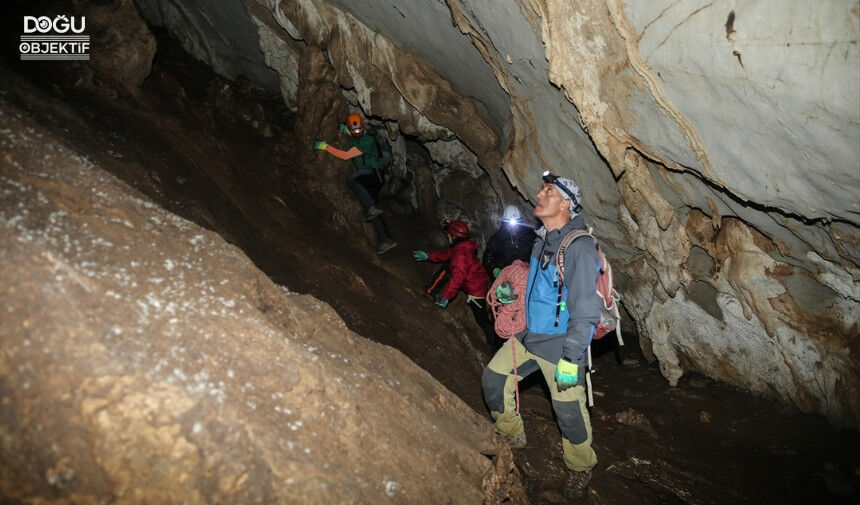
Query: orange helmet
(355, 124)
(457, 229)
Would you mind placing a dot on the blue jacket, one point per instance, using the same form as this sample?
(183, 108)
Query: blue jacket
(580, 312)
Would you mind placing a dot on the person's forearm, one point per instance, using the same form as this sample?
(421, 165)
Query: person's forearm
(577, 340)
(344, 155)
(581, 263)
(439, 256)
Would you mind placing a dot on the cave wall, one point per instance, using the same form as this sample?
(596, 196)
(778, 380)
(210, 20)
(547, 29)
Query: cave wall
(397, 91)
(146, 360)
(216, 32)
(717, 146)
(731, 129)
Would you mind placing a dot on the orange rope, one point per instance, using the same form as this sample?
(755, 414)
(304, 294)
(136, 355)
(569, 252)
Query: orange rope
(511, 318)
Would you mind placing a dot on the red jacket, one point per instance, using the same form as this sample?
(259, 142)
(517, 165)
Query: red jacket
(466, 271)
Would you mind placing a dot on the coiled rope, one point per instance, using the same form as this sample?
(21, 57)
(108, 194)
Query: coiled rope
(510, 319)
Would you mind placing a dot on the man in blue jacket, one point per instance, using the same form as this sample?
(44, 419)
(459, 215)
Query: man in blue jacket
(561, 315)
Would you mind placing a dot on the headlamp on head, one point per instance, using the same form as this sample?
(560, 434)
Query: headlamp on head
(549, 178)
(512, 215)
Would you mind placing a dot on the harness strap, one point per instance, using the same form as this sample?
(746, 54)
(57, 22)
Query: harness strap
(516, 377)
(558, 303)
(475, 300)
(588, 373)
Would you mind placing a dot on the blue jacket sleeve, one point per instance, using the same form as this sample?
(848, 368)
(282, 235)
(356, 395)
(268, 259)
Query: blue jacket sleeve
(581, 264)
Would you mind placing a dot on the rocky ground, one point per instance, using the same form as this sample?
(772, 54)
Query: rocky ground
(219, 154)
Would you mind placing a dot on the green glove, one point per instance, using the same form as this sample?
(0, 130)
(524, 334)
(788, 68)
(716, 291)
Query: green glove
(343, 129)
(419, 255)
(441, 301)
(320, 145)
(496, 272)
(566, 374)
(505, 293)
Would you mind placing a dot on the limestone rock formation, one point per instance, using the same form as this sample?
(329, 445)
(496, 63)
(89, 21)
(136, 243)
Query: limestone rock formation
(699, 106)
(145, 360)
(216, 32)
(717, 146)
(123, 46)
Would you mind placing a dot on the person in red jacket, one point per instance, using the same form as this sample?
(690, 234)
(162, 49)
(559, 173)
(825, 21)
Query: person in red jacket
(467, 273)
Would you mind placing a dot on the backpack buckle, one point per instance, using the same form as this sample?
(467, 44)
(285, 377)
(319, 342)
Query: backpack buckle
(544, 261)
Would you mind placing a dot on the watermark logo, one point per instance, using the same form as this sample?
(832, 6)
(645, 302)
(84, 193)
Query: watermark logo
(60, 38)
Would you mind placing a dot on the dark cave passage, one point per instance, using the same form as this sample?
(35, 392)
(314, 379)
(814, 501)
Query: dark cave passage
(229, 157)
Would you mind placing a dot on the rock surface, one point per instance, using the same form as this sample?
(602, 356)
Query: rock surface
(123, 46)
(696, 111)
(191, 151)
(717, 146)
(145, 360)
(218, 32)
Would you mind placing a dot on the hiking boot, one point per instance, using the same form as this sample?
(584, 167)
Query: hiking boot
(385, 245)
(576, 483)
(517, 442)
(373, 212)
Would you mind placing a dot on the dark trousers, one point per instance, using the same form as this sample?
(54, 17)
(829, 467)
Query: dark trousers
(483, 320)
(366, 186)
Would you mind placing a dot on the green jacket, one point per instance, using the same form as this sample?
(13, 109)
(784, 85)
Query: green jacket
(366, 144)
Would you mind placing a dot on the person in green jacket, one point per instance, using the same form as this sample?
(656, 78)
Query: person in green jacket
(365, 181)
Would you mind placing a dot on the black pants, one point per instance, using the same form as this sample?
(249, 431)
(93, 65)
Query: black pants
(366, 186)
(483, 320)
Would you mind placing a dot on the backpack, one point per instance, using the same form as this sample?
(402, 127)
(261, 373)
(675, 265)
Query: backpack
(610, 317)
(383, 147)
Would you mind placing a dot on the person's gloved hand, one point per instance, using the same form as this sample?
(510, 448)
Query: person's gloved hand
(496, 272)
(343, 129)
(419, 255)
(441, 301)
(320, 145)
(505, 293)
(566, 374)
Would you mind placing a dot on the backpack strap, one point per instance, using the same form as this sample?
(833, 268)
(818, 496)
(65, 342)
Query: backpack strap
(371, 132)
(565, 243)
(559, 261)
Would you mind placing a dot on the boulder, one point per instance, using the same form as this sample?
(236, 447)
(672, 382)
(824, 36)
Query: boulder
(146, 360)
